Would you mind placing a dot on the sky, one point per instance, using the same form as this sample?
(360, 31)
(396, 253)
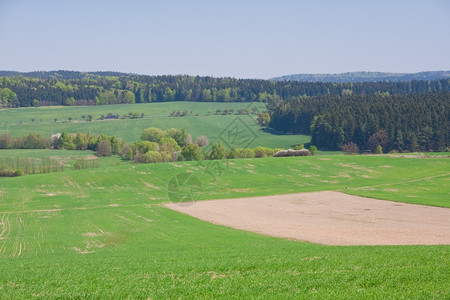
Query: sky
(232, 38)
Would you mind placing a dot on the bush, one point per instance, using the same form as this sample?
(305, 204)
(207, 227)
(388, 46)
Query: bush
(350, 148)
(245, 153)
(313, 150)
(263, 152)
(152, 134)
(145, 146)
(201, 141)
(104, 148)
(179, 135)
(379, 150)
(7, 173)
(191, 152)
(6, 141)
(166, 156)
(263, 119)
(152, 157)
(218, 151)
(169, 145)
(188, 139)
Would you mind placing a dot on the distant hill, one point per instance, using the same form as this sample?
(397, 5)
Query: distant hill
(365, 77)
(98, 88)
(61, 74)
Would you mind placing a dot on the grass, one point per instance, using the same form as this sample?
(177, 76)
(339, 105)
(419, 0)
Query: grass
(41, 153)
(102, 233)
(18, 121)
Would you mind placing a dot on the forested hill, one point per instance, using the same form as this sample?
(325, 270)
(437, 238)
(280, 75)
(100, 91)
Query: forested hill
(366, 77)
(61, 74)
(99, 88)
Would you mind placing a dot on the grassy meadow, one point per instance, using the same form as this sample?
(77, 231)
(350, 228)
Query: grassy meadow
(102, 233)
(203, 121)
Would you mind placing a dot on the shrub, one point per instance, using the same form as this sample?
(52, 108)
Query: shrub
(179, 135)
(379, 150)
(201, 141)
(263, 152)
(145, 146)
(166, 156)
(169, 145)
(218, 151)
(313, 150)
(188, 139)
(263, 119)
(7, 173)
(350, 148)
(152, 157)
(245, 153)
(152, 134)
(6, 141)
(104, 148)
(191, 152)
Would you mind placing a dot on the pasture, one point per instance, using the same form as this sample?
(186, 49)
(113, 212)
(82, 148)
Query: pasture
(201, 120)
(103, 233)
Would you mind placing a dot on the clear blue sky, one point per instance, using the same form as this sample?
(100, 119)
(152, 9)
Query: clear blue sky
(244, 39)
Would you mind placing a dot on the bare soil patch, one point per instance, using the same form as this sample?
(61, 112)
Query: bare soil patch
(329, 218)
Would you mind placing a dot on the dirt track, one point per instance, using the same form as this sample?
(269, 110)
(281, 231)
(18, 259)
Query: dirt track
(329, 218)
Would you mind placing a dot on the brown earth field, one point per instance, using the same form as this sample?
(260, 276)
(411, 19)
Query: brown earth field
(329, 218)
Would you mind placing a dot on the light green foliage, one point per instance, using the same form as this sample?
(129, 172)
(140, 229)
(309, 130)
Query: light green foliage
(313, 150)
(379, 149)
(107, 97)
(169, 145)
(65, 142)
(129, 97)
(152, 157)
(152, 134)
(129, 154)
(116, 145)
(7, 97)
(191, 152)
(263, 152)
(146, 146)
(263, 119)
(218, 151)
(69, 101)
(245, 153)
(169, 94)
(179, 135)
(81, 141)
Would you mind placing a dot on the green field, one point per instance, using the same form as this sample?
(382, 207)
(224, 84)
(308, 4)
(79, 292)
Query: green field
(18, 122)
(102, 233)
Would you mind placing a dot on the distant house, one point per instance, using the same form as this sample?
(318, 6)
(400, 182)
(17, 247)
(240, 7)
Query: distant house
(112, 117)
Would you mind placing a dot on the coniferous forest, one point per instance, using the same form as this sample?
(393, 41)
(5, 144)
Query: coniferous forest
(413, 122)
(398, 115)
